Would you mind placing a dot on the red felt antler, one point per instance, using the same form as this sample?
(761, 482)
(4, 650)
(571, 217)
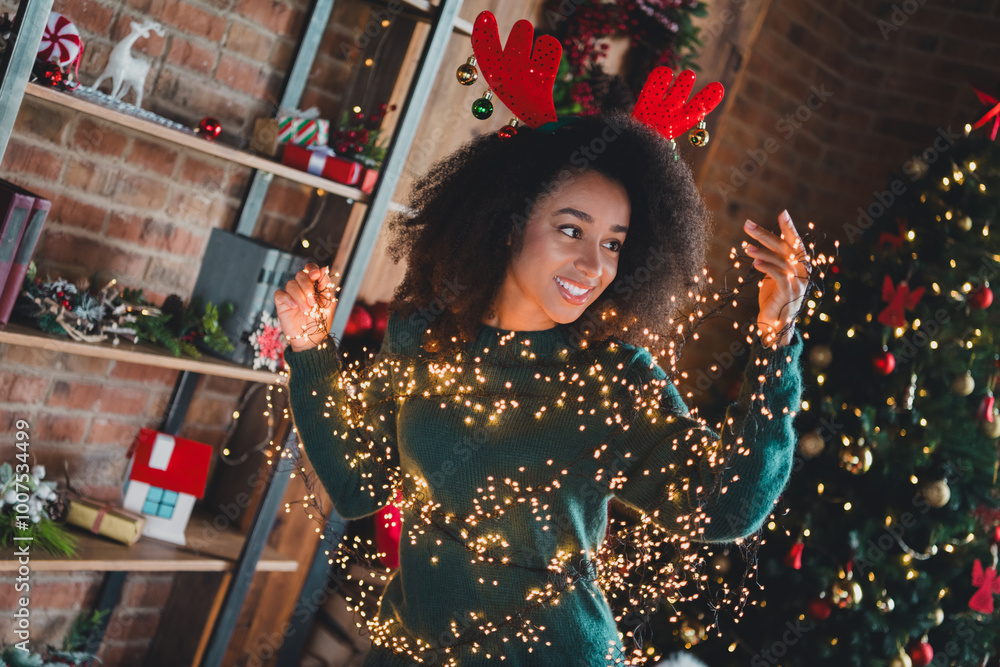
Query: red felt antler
(670, 113)
(522, 79)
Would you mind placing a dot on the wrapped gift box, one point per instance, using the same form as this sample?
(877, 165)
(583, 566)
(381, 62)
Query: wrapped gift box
(105, 519)
(368, 181)
(321, 161)
(303, 131)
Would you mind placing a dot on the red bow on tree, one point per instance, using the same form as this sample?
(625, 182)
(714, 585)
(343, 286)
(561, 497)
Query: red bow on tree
(982, 600)
(896, 242)
(900, 298)
(993, 113)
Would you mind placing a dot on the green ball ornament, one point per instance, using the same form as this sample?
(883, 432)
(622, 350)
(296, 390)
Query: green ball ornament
(483, 108)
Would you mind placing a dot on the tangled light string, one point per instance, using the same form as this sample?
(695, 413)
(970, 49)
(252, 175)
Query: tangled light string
(641, 563)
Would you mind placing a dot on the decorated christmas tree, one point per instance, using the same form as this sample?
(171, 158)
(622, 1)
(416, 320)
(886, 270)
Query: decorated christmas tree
(883, 548)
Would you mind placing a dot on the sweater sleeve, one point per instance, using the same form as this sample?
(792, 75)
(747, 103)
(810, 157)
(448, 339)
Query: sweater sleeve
(685, 476)
(347, 426)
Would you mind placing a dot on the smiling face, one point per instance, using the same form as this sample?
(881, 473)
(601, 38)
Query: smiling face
(569, 255)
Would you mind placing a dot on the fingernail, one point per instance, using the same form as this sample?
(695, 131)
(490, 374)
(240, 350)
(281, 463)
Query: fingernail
(784, 214)
(750, 224)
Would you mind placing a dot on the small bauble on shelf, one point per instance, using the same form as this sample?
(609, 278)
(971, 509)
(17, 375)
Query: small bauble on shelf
(209, 128)
(125, 69)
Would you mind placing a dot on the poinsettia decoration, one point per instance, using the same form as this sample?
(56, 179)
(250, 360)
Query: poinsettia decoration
(268, 343)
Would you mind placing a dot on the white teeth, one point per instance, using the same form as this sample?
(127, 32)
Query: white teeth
(572, 289)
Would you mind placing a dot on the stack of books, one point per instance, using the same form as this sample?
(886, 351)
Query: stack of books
(22, 215)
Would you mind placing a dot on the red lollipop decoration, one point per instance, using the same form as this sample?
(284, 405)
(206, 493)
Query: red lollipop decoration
(669, 112)
(522, 79)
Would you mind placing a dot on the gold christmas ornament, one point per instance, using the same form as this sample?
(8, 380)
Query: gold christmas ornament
(855, 456)
(820, 356)
(901, 660)
(991, 429)
(937, 494)
(963, 385)
(937, 616)
(811, 444)
(699, 135)
(964, 222)
(885, 603)
(467, 74)
(845, 593)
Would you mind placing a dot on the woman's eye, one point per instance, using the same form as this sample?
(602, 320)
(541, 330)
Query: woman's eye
(617, 246)
(572, 230)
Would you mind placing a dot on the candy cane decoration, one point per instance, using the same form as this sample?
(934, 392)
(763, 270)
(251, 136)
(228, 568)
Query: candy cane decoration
(61, 43)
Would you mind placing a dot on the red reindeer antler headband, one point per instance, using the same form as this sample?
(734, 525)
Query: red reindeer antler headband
(523, 73)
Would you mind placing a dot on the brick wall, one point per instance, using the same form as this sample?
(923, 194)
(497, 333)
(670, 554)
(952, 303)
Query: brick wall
(891, 73)
(140, 210)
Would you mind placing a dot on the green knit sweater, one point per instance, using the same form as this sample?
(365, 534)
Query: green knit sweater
(508, 457)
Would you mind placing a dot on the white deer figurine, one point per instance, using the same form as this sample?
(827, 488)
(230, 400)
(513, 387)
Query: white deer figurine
(126, 70)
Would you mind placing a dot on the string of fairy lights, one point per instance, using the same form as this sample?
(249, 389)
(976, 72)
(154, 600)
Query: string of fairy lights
(640, 565)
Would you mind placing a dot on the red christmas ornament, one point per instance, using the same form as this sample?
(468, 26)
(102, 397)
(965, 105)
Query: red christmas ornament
(920, 654)
(980, 298)
(995, 535)
(985, 411)
(507, 132)
(359, 323)
(380, 318)
(818, 609)
(987, 585)
(883, 362)
(793, 558)
(209, 128)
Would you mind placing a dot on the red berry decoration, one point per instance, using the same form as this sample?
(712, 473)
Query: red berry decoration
(995, 535)
(818, 609)
(209, 128)
(883, 362)
(920, 654)
(980, 298)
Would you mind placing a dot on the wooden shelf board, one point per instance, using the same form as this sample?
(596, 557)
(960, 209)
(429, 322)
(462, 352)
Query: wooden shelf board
(70, 101)
(136, 353)
(206, 550)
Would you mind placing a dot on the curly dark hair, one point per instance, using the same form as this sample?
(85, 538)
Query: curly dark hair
(468, 204)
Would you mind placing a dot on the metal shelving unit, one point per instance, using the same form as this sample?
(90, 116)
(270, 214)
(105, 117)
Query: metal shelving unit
(352, 260)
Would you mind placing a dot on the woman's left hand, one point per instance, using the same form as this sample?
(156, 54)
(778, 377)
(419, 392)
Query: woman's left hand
(786, 269)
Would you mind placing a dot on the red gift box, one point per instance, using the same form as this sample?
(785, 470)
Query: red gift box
(368, 182)
(321, 161)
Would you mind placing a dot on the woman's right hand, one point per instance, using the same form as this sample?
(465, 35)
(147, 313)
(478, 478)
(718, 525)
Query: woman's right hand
(305, 307)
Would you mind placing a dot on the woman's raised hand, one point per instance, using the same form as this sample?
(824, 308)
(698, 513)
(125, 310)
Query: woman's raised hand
(786, 268)
(305, 307)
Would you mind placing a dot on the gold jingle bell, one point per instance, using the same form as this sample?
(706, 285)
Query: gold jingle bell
(699, 136)
(855, 457)
(467, 74)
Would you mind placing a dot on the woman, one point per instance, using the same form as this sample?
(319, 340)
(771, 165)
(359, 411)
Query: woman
(514, 393)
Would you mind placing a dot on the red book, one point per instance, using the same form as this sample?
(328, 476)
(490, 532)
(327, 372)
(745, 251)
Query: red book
(15, 209)
(25, 249)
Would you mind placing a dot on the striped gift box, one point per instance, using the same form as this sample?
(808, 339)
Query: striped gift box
(303, 131)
